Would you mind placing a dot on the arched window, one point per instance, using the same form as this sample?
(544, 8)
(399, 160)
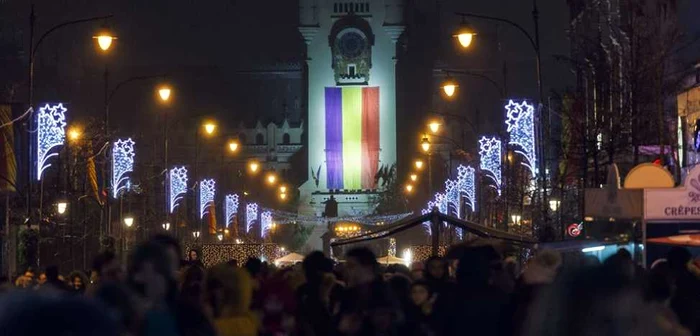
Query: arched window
(285, 139)
(259, 139)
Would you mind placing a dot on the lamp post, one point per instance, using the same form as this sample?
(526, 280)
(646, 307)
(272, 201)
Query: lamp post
(33, 48)
(466, 36)
(425, 146)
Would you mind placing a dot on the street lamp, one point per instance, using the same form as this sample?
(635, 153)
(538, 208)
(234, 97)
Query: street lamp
(129, 221)
(271, 178)
(220, 237)
(74, 134)
(253, 166)
(283, 189)
(465, 34)
(61, 207)
(418, 164)
(166, 226)
(409, 188)
(554, 204)
(195, 234)
(414, 177)
(449, 87)
(164, 93)
(233, 146)
(283, 196)
(434, 126)
(209, 127)
(425, 144)
(104, 39)
(516, 219)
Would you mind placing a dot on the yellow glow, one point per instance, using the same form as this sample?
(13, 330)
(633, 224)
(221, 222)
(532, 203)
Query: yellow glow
(434, 126)
(449, 88)
(414, 177)
(233, 146)
(253, 166)
(283, 196)
(61, 207)
(104, 40)
(425, 144)
(283, 189)
(209, 127)
(271, 178)
(419, 164)
(409, 187)
(164, 93)
(128, 221)
(74, 134)
(465, 39)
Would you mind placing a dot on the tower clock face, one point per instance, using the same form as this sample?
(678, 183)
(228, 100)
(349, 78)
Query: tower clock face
(351, 45)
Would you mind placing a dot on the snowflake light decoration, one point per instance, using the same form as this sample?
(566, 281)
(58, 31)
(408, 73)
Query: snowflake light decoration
(231, 208)
(440, 201)
(466, 185)
(51, 133)
(452, 196)
(207, 190)
(178, 186)
(490, 157)
(265, 223)
(520, 119)
(251, 215)
(122, 164)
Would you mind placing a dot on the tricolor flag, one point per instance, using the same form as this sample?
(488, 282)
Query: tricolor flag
(352, 137)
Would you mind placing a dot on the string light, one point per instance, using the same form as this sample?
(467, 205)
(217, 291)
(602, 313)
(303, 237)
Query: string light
(122, 164)
(178, 186)
(466, 185)
(207, 190)
(520, 119)
(51, 133)
(251, 214)
(392, 247)
(490, 157)
(265, 223)
(231, 208)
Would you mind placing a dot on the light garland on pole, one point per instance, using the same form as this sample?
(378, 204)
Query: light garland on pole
(491, 159)
(520, 119)
(251, 215)
(51, 133)
(265, 223)
(178, 186)
(466, 185)
(122, 164)
(231, 209)
(207, 191)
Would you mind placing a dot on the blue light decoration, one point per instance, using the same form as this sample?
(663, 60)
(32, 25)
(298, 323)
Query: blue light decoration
(207, 190)
(122, 164)
(231, 209)
(452, 196)
(440, 201)
(265, 223)
(466, 185)
(251, 215)
(520, 119)
(490, 160)
(51, 133)
(178, 186)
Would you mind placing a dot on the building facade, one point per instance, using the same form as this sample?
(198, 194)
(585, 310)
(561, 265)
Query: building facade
(351, 50)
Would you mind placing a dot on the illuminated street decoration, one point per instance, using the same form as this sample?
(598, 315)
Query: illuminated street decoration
(440, 201)
(452, 196)
(392, 247)
(51, 133)
(251, 215)
(207, 190)
(122, 164)
(265, 223)
(520, 119)
(231, 208)
(178, 186)
(490, 159)
(466, 185)
(574, 230)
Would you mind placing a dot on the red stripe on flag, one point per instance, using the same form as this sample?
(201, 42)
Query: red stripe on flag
(370, 136)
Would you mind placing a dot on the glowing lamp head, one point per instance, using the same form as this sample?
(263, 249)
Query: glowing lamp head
(195, 234)
(220, 237)
(283, 189)
(465, 34)
(128, 221)
(209, 127)
(233, 146)
(434, 126)
(271, 178)
(425, 144)
(166, 226)
(283, 196)
(74, 134)
(253, 166)
(414, 177)
(409, 188)
(449, 88)
(104, 40)
(61, 207)
(164, 93)
(418, 164)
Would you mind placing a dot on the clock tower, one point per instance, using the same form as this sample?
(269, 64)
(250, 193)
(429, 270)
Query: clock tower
(351, 57)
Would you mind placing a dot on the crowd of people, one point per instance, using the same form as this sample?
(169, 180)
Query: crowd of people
(479, 292)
